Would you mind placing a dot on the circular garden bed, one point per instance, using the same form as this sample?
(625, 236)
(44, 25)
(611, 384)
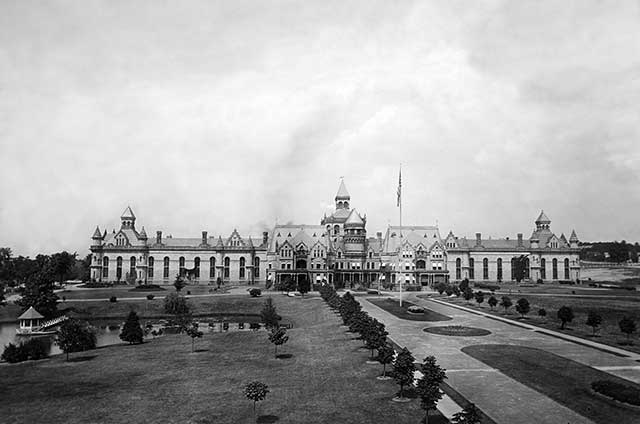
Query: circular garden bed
(457, 330)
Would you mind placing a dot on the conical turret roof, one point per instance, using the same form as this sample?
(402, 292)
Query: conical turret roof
(31, 313)
(128, 213)
(543, 218)
(143, 234)
(354, 219)
(342, 191)
(574, 236)
(97, 234)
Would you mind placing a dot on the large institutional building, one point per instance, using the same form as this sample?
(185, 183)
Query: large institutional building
(337, 251)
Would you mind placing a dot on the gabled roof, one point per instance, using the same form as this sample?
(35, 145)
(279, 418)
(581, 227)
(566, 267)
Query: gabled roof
(128, 213)
(143, 234)
(342, 191)
(563, 239)
(413, 235)
(31, 314)
(543, 219)
(307, 234)
(574, 236)
(96, 233)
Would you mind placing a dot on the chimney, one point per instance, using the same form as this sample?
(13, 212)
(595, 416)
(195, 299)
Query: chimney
(159, 237)
(478, 239)
(379, 235)
(520, 240)
(265, 237)
(204, 237)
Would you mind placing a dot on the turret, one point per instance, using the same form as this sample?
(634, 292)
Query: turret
(354, 233)
(97, 237)
(543, 222)
(128, 219)
(342, 197)
(143, 236)
(573, 240)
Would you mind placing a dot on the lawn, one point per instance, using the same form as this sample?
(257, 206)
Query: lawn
(393, 306)
(565, 381)
(612, 310)
(325, 380)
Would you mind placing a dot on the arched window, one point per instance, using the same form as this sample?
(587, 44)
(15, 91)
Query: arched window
(256, 266)
(227, 263)
(242, 267)
(181, 266)
(105, 267)
(150, 267)
(472, 264)
(554, 268)
(543, 269)
(196, 267)
(485, 269)
(458, 269)
(336, 229)
(212, 267)
(567, 274)
(499, 269)
(119, 268)
(165, 270)
(132, 266)
(421, 264)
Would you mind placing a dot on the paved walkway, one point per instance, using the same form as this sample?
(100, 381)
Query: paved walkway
(502, 398)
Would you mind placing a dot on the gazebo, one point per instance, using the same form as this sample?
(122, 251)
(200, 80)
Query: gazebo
(30, 320)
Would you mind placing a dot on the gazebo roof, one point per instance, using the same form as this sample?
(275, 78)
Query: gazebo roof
(31, 314)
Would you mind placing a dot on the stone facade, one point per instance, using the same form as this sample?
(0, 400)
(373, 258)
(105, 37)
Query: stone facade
(337, 251)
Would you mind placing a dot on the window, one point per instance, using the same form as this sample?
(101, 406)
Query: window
(105, 267)
(554, 268)
(242, 267)
(119, 268)
(150, 268)
(196, 267)
(458, 269)
(567, 275)
(543, 269)
(165, 269)
(485, 269)
(132, 266)
(499, 269)
(212, 267)
(471, 269)
(181, 266)
(227, 263)
(336, 230)
(256, 266)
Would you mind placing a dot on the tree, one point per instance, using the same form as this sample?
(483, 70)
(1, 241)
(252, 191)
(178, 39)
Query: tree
(130, 278)
(519, 267)
(3, 300)
(61, 265)
(594, 320)
(479, 296)
(194, 333)
(403, 369)
(492, 302)
(6, 265)
(565, 314)
(523, 307)
(38, 293)
(270, 317)
(627, 326)
(385, 356)
(75, 336)
(428, 387)
(256, 391)
(469, 415)
(441, 287)
(278, 336)
(304, 286)
(542, 312)
(132, 331)
(179, 283)
(374, 335)
(463, 285)
(467, 294)
(506, 303)
(175, 304)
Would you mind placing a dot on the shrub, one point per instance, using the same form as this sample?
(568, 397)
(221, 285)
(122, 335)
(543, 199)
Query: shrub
(415, 309)
(150, 296)
(542, 312)
(255, 292)
(617, 391)
(441, 287)
(131, 331)
(31, 349)
(13, 354)
(113, 299)
(627, 325)
(565, 315)
(539, 281)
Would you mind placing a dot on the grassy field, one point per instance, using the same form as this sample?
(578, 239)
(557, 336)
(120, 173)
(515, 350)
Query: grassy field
(324, 380)
(565, 381)
(393, 306)
(127, 291)
(612, 310)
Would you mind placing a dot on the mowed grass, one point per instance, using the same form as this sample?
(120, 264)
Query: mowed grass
(611, 310)
(326, 379)
(393, 306)
(565, 381)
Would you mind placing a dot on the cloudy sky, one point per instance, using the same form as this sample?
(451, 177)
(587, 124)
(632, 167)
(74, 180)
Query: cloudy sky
(235, 114)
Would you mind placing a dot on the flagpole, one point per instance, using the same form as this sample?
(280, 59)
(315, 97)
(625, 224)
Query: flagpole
(400, 205)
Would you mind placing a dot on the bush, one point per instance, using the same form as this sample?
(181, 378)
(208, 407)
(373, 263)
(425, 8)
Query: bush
(415, 309)
(13, 354)
(150, 296)
(412, 288)
(490, 287)
(255, 292)
(617, 391)
(539, 281)
(113, 299)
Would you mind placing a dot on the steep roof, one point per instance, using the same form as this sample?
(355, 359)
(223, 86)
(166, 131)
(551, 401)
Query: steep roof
(96, 233)
(31, 314)
(574, 236)
(128, 213)
(414, 235)
(296, 234)
(354, 218)
(342, 191)
(543, 218)
(143, 234)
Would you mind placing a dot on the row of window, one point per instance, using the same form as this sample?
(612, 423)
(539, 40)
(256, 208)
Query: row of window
(485, 269)
(181, 266)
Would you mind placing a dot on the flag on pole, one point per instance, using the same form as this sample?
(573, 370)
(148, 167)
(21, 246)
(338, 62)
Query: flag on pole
(399, 187)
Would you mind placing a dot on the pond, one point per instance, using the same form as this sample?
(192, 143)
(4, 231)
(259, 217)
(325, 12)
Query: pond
(108, 332)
